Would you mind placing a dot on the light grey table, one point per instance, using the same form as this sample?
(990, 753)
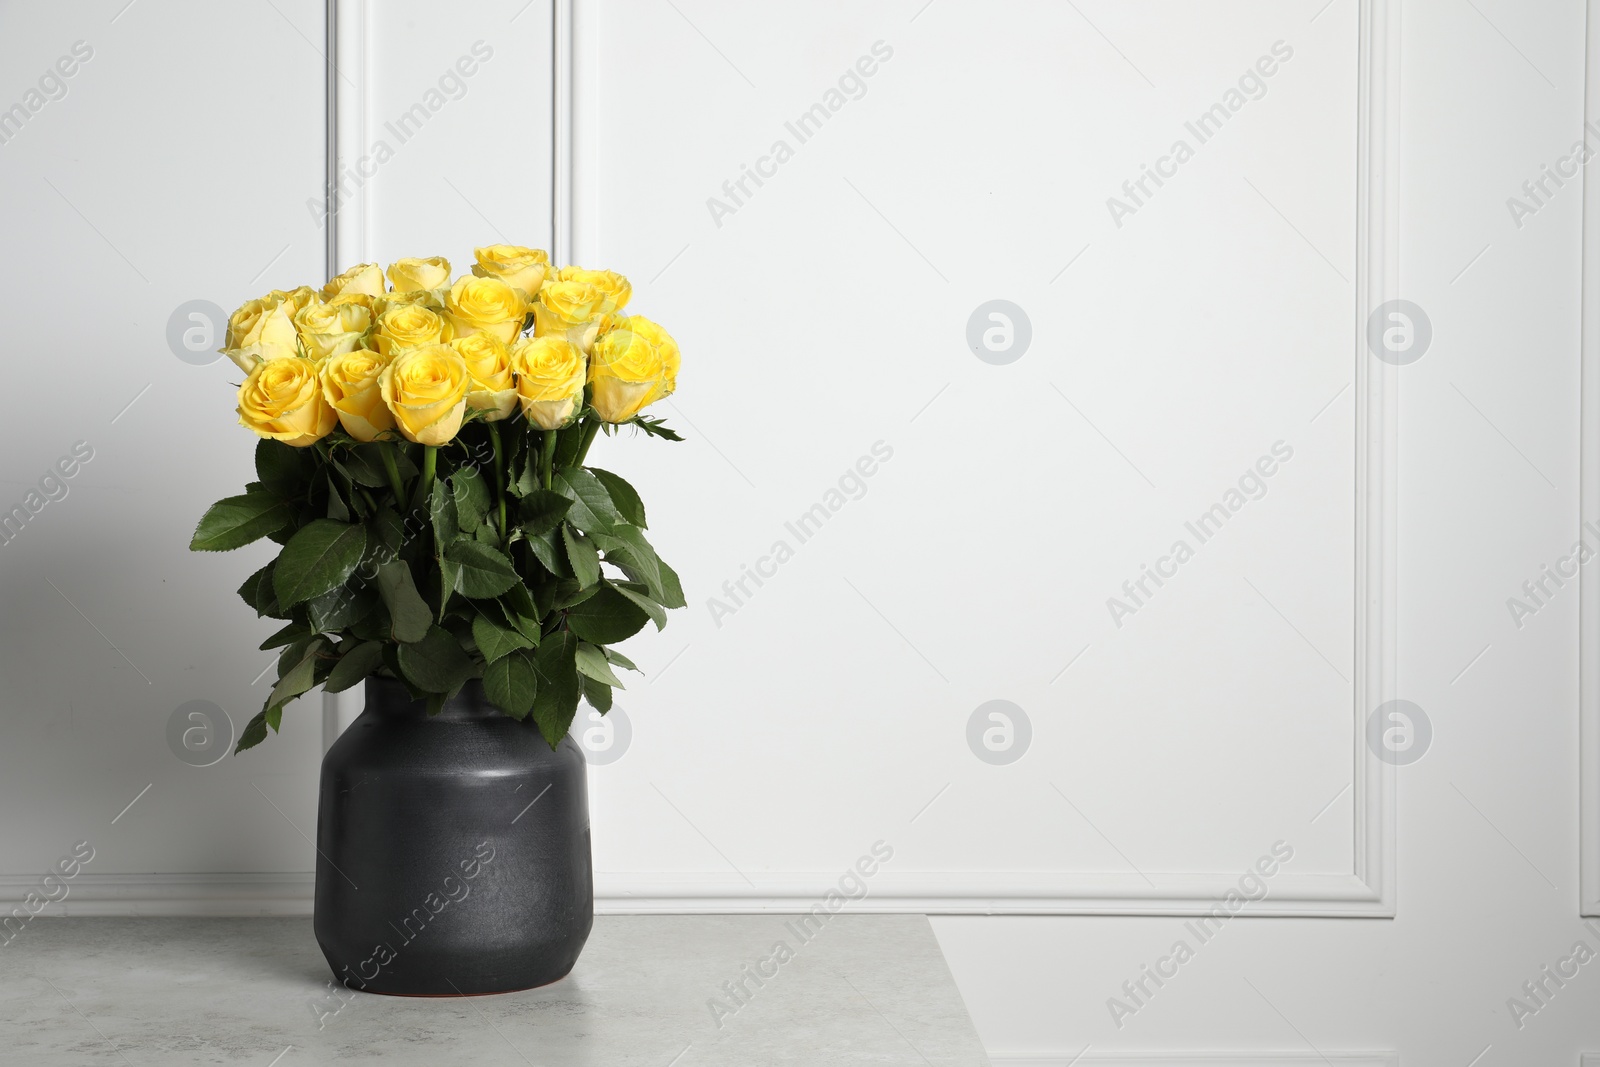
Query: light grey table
(866, 989)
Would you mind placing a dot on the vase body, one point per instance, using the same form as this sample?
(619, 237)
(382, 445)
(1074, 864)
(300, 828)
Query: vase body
(452, 850)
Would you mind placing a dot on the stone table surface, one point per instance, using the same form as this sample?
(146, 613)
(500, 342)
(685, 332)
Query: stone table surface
(648, 992)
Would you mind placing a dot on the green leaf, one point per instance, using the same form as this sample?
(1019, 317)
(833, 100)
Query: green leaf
(364, 465)
(436, 664)
(541, 510)
(511, 683)
(567, 593)
(442, 513)
(320, 557)
(606, 617)
(238, 520)
(627, 548)
(556, 702)
(620, 660)
(409, 615)
(671, 587)
(495, 640)
(293, 653)
(483, 571)
(353, 666)
(251, 586)
(254, 733)
(550, 552)
(285, 637)
(388, 531)
(257, 592)
(339, 608)
(657, 613)
(623, 496)
(598, 694)
(448, 573)
(471, 497)
(592, 663)
(338, 510)
(521, 612)
(282, 469)
(655, 427)
(582, 555)
(592, 510)
(297, 680)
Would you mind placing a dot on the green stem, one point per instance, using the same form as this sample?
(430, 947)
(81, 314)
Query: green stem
(547, 457)
(430, 464)
(394, 473)
(590, 429)
(499, 476)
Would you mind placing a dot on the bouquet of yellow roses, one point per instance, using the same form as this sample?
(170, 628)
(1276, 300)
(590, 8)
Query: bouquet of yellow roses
(422, 464)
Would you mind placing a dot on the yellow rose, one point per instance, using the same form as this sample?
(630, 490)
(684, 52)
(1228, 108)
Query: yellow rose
(282, 399)
(361, 300)
(484, 305)
(329, 329)
(350, 386)
(362, 278)
(493, 389)
(550, 376)
(569, 309)
(627, 372)
(524, 269)
(261, 329)
(407, 326)
(426, 390)
(432, 299)
(670, 357)
(407, 275)
(615, 289)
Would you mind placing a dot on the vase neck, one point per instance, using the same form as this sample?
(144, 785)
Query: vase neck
(389, 698)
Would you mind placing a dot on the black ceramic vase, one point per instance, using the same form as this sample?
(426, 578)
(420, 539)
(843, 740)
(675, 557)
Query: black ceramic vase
(452, 850)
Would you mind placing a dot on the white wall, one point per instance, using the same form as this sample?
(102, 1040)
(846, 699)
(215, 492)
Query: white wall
(1477, 911)
(167, 173)
(827, 311)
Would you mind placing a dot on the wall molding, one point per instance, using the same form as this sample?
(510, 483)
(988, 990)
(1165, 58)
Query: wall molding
(1206, 1059)
(249, 893)
(1589, 501)
(724, 893)
(1377, 444)
(1368, 890)
(348, 46)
